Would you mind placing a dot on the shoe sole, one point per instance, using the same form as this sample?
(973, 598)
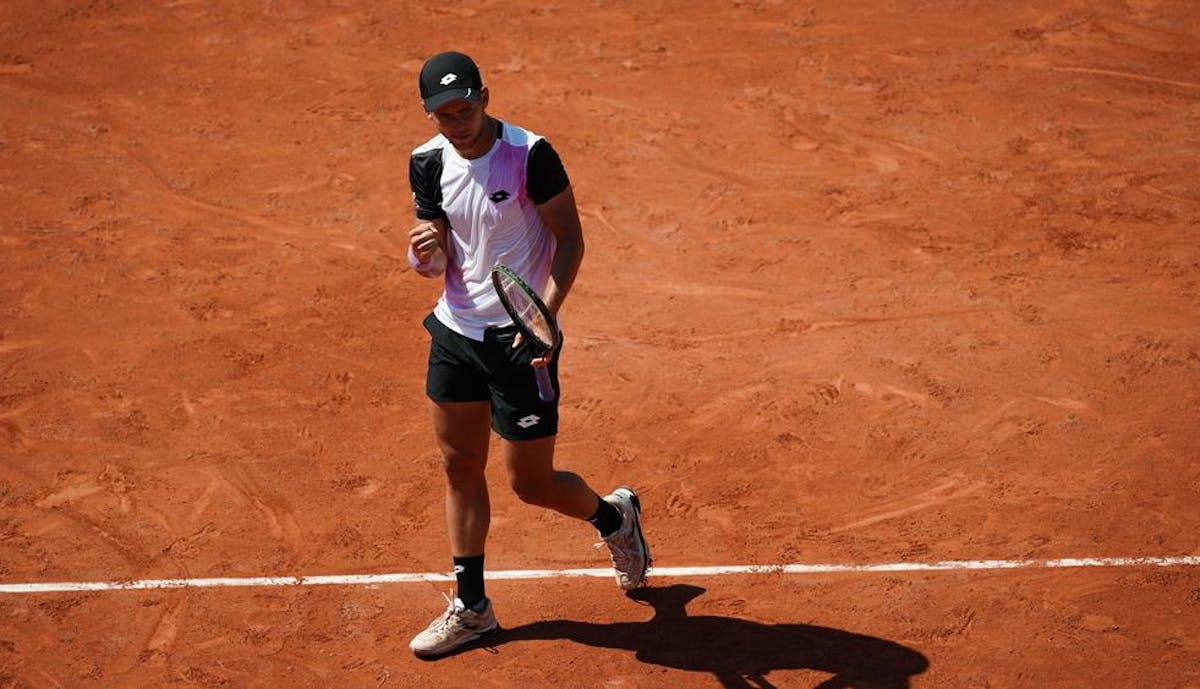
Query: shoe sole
(637, 525)
(460, 642)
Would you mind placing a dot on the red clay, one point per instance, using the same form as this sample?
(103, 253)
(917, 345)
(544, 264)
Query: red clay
(906, 282)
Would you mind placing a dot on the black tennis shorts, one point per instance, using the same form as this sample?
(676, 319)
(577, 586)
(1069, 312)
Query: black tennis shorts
(463, 370)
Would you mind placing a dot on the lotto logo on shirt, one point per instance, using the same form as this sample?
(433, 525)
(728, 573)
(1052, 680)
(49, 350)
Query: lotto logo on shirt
(499, 196)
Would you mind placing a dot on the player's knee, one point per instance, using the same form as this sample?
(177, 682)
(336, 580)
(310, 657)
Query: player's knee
(532, 491)
(461, 469)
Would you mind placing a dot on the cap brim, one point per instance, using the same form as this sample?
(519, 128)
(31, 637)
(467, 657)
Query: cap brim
(439, 99)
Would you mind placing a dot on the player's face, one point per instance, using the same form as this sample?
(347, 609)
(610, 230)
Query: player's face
(462, 122)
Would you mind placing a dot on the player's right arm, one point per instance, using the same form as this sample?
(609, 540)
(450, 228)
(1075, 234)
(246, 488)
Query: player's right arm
(426, 247)
(428, 240)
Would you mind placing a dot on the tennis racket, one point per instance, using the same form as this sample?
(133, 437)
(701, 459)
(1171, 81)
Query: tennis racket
(532, 318)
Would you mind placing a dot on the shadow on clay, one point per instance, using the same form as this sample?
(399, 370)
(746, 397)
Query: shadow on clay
(739, 653)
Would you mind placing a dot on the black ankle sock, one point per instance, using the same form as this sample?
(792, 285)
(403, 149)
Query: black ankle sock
(469, 573)
(607, 518)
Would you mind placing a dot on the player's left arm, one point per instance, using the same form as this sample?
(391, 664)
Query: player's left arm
(562, 217)
(550, 188)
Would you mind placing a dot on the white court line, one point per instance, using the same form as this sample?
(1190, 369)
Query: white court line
(401, 578)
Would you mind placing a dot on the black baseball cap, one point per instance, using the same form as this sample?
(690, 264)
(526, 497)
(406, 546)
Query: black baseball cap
(449, 76)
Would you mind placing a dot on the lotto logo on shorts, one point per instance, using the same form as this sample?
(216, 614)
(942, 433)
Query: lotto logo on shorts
(529, 421)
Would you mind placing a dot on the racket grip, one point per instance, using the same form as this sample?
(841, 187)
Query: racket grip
(545, 387)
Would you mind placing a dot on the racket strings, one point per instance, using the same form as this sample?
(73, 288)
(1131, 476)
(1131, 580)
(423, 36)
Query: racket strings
(527, 312)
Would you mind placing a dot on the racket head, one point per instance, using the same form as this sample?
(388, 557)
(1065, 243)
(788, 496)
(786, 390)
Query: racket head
(527, 310)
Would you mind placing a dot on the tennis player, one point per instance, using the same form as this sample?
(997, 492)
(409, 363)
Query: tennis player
(489, 192)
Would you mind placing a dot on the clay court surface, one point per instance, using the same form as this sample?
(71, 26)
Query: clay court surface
(866, 283)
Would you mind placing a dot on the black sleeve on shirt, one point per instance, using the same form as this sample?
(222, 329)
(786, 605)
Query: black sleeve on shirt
(425, 178)
(546, 177)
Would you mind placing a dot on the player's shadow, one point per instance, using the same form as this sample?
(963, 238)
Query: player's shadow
(740, 653)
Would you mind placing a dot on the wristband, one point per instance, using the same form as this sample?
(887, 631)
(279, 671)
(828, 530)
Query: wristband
(413, 262)
(430, 268)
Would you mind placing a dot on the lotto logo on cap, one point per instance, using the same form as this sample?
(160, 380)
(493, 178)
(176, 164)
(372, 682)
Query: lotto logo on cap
(449, 76)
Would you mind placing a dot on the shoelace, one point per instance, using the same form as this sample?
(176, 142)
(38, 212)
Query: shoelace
(448, 618)
(621, 549)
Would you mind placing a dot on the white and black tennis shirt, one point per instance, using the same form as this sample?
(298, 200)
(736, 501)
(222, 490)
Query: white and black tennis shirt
(490, 203)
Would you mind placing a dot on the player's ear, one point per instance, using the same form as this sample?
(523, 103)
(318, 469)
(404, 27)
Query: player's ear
(484, 94)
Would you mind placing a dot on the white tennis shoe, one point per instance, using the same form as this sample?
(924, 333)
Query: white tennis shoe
(627, 545)
(455, 627)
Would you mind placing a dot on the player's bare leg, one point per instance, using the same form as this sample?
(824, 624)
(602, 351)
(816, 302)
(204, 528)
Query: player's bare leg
(462, 430)
(617, 516)
(534, 479)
